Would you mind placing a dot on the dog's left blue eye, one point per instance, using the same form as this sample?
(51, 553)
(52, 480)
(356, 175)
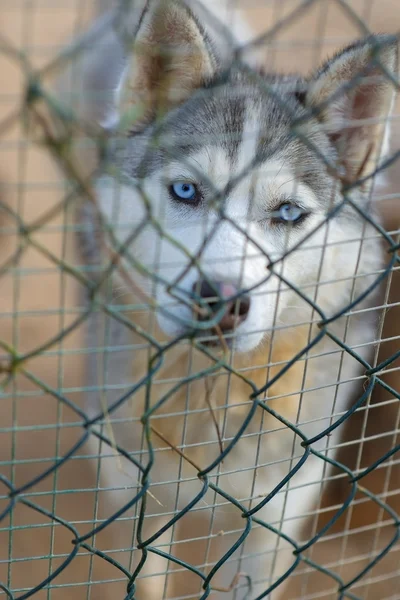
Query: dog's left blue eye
(183, 190)
(290, 213)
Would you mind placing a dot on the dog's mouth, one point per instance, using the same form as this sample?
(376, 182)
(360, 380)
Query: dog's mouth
(215, 338)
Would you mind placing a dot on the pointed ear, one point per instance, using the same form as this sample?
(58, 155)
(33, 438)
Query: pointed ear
(152, 56)
(352, 96)
(172, 56)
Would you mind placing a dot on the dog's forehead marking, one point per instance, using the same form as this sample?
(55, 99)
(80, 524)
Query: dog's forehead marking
(226, 160)
(247, 149)
(260, 179)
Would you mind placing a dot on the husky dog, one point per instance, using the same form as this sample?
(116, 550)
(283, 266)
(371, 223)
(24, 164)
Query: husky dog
(244, 266)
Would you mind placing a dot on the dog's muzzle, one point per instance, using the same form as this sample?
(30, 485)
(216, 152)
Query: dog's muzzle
(217, 295)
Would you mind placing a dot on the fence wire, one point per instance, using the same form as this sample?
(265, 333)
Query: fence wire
(142, 406)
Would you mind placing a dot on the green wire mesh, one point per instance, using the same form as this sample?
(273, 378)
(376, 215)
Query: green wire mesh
(41, 119)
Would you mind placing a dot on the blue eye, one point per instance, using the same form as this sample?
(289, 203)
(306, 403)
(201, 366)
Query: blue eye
(290, 213)
(183, 190)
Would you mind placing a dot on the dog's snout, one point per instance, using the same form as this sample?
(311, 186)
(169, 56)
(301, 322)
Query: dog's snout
(218, 294)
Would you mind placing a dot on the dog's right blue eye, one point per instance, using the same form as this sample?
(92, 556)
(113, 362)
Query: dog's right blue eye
(183, 190)
(290, 213)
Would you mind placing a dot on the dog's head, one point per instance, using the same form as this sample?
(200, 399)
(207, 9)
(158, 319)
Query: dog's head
(221, 179)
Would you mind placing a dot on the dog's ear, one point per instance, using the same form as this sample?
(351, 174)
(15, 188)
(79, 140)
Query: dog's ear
(156, 51)
(172, 57)
(352, 95)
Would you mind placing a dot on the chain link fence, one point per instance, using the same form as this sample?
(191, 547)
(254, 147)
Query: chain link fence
(90, 440)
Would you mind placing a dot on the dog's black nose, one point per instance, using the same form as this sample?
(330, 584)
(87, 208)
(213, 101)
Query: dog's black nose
(218, 294)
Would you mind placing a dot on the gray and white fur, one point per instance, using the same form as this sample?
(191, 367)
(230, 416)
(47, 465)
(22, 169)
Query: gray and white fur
(164, 79)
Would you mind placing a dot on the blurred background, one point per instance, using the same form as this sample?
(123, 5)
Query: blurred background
(39, 299)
